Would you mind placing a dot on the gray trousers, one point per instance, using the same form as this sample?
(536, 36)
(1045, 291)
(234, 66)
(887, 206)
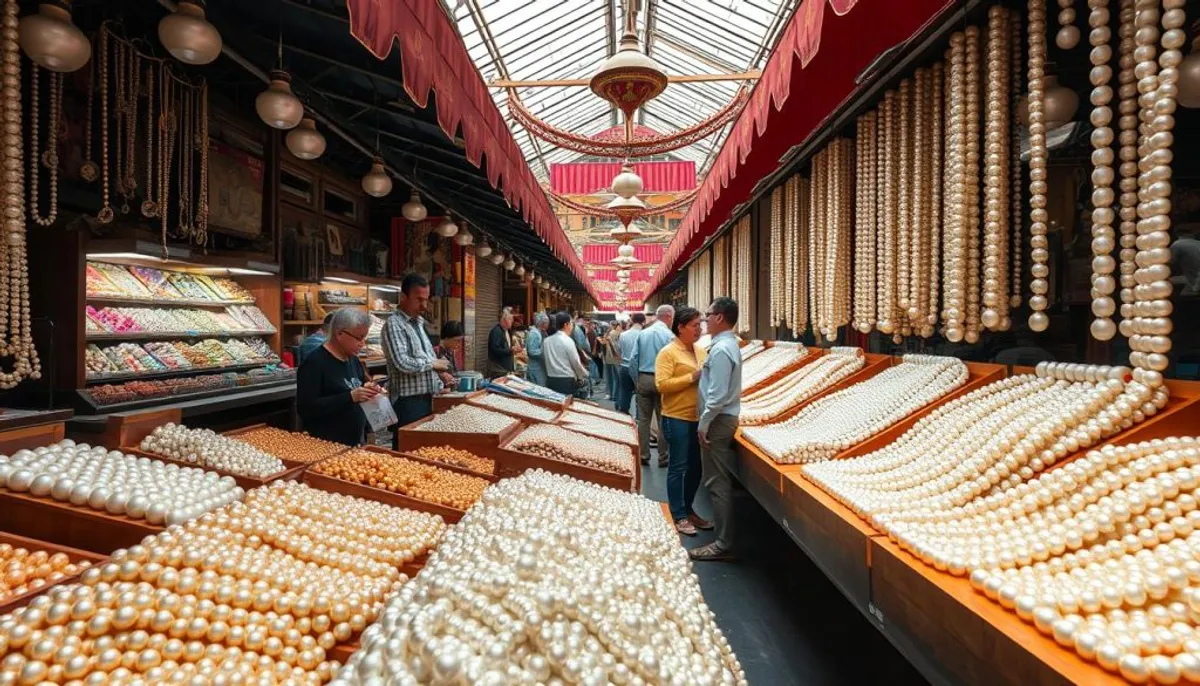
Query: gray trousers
(649, 417)
(715, 459)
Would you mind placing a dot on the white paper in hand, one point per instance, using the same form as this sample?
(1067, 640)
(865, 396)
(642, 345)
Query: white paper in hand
(380, 414)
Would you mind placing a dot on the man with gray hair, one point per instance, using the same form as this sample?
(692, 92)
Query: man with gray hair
(653, 339)
(500, 346)
(534, 339)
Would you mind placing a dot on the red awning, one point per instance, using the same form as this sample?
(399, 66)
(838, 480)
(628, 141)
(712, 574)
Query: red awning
(832, 48)
(604, 278)
(433, 58)
(584, 178)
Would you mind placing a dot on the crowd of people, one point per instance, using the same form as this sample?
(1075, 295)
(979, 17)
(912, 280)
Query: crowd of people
(685, 398)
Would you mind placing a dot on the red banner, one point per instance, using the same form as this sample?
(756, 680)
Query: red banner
(599, 256)
(585, 178)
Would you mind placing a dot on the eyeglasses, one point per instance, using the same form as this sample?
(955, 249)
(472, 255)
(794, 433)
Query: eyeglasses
(711, 314)
(360, 339)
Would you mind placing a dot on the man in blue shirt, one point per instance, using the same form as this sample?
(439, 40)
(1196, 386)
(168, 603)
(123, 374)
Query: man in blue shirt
(535, 371)
(720, 405)
(627, 374)
(652, 339)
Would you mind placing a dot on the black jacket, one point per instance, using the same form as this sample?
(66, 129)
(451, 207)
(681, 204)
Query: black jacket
(499, 350)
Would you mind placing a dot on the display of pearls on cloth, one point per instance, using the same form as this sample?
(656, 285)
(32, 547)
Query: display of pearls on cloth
(206, 448)
(289, 445)
(767, 404)
(563, 445)
(23, 570)
(597, 426)
(834, 423)
(771, 361)
(550, 580)
(611, 415)
(259, 590)
(16, 333)
(751, 349)
(1039, 253)
(113, 482)
(407, 477)
(468, 419)
(515, 406)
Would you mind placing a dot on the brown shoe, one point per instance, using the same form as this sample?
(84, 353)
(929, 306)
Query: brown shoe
(685, 527)
(662, 462)
(710, 553)
(700, 522)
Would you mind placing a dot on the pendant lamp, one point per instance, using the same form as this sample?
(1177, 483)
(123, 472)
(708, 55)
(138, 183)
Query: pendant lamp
(464, 238)
(377, 183)
(277, 106)
(483, 249)
(305, 141)
(414, 210)
(51, 40)
(497, 257)
(188, 36)
(447, 228)
(1189, 77)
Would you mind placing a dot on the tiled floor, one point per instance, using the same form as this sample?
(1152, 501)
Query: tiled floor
(787, 623)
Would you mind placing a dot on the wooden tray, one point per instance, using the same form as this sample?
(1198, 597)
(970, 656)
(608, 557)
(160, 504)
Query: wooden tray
(31, 545)
(520, 417)
(46, 519)
(445, 401)
(131, 428)
(542, 401)
(411, 437)
(621, 418)
(813, 353)
(514, 463)
(875, 364)
(246, 482)
(633, 443)
(334, 485)
(234, 433)
(432, 463)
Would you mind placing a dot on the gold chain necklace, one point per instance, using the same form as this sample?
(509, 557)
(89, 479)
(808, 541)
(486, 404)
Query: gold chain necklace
(50, 159)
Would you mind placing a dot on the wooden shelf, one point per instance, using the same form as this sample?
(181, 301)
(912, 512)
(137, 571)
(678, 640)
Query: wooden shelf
(173, 335)
(303, 322)
(189, 371)
(164, 302)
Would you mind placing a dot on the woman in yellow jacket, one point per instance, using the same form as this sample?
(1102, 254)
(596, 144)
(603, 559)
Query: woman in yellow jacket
(677, 377)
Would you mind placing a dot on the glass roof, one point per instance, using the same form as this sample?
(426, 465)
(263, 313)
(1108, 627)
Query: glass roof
(527, 40)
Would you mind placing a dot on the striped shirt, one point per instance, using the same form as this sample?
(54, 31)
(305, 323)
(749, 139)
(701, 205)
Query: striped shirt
(410, 357)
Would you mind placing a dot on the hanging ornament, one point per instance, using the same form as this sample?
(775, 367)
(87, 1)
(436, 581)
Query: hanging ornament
(520, 270)
(483, 249)
(1068, 34)
(52, 41)
(1189, 75)
(625, 250)
(415, 211)
(277, 106)
(188, 36)
(510, 264)
(1061, 103)
(464, 238)
(305, 141)
(627, 184)
(498, 257)
(625, 233)
(447, 228)
(626, 209)
(377, 183)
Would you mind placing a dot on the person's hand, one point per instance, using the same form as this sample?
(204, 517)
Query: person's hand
(364, 393)
(518, 348)
(440, 365)
(447, 378)
(703, 436)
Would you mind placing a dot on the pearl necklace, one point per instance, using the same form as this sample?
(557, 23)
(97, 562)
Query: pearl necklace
(550, 578)
(136, 487)
(560, 443)
(765, 405)
(1103, 236)
(206, 448)
(601, 412)
(598, 426)
(837, 421)
(770, 361)
(1039, 253)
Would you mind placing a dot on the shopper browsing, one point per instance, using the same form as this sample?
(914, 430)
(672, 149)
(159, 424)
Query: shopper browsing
(628, 344)
(612, 360)
(534, 341)
(332, 382)
(720, 389)
(649, 406)
(677, 377)
(500, 346)
(564, 371)
(414, 371)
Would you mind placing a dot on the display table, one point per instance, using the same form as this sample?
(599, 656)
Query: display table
(30, 428)
(76, 556)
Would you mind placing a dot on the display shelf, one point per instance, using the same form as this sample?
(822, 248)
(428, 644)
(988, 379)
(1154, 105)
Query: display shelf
(289, 473)
(303, 322)
(46, 519)
(143, 403)
(874, 364)
(32, 545)
(379, 495)
(188, 371)
(164, 302)
(172, 335)
(31, 428)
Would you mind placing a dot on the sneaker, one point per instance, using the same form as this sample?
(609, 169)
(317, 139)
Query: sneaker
(700, 522)
(685, 527)
(710, 553)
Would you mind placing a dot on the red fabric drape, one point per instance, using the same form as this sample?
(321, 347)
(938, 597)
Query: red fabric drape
(604, 253)
(832, 50)
(582, 178)
(604, 278)
(434, 59)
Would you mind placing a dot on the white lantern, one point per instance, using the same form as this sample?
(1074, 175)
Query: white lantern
(414, 210)
(627, 184)
(625, 250)
(520, 270)
(377, 183)
(497, 257)
(52, 41)
(305, 141)
(447, 228)
(510, 264)
(464, 238)
(483, 249)
(277, 106)
(187, 35)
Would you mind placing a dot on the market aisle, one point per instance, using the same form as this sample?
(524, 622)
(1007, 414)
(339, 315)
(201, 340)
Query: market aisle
(787, 623)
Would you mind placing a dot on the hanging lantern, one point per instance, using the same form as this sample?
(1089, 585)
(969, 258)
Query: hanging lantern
(629, 79)
(625, 234)
(510, 264)
(414, 210)
(627, 184)
(530, 276)
(520, 270)
(305, 141)
(188, 36)
(626, 209)
(1189, 77)
(624, 261)
(464, 238)
(51, 40)
(483, 249)
(1061, 104)
(497, 257)
(278, 107)
(376, 183)
(625, 250)
(447, 228)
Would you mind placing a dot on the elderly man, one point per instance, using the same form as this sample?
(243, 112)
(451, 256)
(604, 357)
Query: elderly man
(534, 342)
(649, 405)
(500, 346)
(627, 373)
(415, 373)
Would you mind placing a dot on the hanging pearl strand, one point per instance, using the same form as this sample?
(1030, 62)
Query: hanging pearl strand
(1129, 168)
(1103, 236)
(920, 185)
(995, 130)
(803, 258)
(888, 323)
(1017, 218)
(972, 233)
(860, 221)
(936, 134)
(1068, 34)
(51, 157)
(1039, 254)
(1151, 327)
(1008, 221)
(845, 228)
(816, 235)
(904, 218)
(864, 251)
(777, 253)
(954, 278)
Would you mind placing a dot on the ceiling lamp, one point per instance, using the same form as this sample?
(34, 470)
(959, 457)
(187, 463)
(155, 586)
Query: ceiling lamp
(497, 257)
(414, 210)
(376, 183)
(278, 107)
(305, 141)
(630, 78)
(1061, 103)
(625, 234)
(530, 276)
(510, 264)
(483, 249)
(447, 228)
(625, 250)
(520, 270)
(626, 209)
(624, 261)
(1189, 77)
(51, 40)
(464, 238)
(187, 35)
(627, 184)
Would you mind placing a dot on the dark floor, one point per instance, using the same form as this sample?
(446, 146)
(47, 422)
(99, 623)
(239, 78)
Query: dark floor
(785, 620)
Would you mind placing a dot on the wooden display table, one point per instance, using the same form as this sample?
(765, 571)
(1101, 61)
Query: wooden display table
(33, 545)
(813, 353)
(412, 437)
(24, 429)
(46, 519)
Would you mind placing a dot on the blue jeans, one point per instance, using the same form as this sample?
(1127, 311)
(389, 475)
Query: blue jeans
(610, 380)
(683, 470)
(624, 389)
(535, 371)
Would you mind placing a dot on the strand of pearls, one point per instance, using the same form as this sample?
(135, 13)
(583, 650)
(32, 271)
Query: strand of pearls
(923, 212)
(1017, 217)
(905, 222)
(936, 181)
(864, 295)
(743, 290)
(1068, 34)
(550, 578)
(799, 256)
(468, 419)
(766, 405)
(837, 421)
(770, 362)
(1103, 236)
(870, 206)
(1039, 253)
(560, 443)
(1150, 329)
(996, 127)
(816, 239)
(1128, 93)
(113, 482)
(208, 449)
(616, 431)
(972, 325)
(954, 298)
(779, 284)
(888, 206)
(720, 267)
(516, 406)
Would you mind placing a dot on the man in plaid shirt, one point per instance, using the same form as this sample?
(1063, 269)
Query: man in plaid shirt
(415, 373)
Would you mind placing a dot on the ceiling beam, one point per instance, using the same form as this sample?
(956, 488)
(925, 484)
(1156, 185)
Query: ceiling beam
(611, 40)
(751, 75)
(651, 34)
